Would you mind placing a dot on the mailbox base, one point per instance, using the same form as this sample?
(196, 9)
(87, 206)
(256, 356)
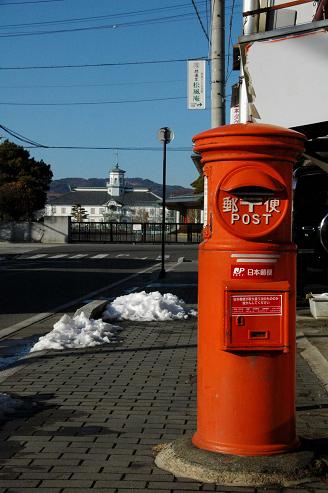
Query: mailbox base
(249, 451)
(184, 460)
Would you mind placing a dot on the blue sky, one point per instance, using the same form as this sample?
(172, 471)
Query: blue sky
(114, 32)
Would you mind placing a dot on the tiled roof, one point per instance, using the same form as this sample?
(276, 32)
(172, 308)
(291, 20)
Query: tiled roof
(81, 197)
(140, 198)
(185, 199)
(99, 198)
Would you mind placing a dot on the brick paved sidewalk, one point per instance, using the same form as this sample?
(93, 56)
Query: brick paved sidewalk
(92, 416)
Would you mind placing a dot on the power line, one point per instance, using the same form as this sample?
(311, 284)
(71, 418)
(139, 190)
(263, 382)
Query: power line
(230, 41)
(112, 64)
(88, 65)
(33, 144)
(94, 84)
(142, 22)
(95, 103)
(80, 103)
(200, 19)
(113, 148)
(207, 16)
(29, 1)
(20, 137)
(98, 17)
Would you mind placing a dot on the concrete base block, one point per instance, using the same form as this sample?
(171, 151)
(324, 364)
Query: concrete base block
(183, 459)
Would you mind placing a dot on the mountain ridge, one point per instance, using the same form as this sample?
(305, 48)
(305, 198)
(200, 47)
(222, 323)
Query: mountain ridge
(64, 185)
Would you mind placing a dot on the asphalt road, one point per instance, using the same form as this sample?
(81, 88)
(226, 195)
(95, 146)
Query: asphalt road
(38, 279)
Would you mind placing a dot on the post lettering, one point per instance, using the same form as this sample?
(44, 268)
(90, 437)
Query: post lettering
(256, 219)
(234, 217)
(267, 217)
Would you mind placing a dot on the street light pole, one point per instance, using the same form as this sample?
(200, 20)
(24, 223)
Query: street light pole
(164, 135)
(162, 271)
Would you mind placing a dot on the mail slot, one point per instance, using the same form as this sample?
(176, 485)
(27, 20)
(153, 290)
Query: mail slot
(256, 319)
(246, 297)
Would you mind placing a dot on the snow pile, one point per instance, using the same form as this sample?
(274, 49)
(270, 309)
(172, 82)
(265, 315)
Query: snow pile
(146, 307)
(79, 331)
(76, 332)
(8, 404)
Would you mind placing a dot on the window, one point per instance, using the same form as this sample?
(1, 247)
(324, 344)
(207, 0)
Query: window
(63, 210)
(92, 210)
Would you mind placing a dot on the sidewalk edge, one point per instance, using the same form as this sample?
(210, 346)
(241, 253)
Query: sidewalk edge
(314, 358)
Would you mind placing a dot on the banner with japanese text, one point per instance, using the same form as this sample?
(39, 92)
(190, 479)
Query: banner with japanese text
(196, 84)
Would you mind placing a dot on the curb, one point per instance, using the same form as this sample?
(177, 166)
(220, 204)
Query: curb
(93, 309)
(314, 358)
(42, 316)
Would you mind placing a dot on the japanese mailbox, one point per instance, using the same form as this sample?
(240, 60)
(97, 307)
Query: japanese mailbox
(246, 341)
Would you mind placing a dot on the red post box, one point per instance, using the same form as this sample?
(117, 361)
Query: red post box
(246, 341)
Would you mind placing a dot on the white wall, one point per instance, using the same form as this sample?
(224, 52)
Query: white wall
(52, 230)
(288, 79)
(95, 212)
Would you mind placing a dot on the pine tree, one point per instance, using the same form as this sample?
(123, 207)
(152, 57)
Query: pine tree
(79, 213)
(23, 183)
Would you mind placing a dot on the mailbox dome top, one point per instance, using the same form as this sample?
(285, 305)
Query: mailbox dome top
(249, 128)
(244, 141)
(250, 178)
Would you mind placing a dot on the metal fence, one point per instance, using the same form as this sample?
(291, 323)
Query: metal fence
(112, 232)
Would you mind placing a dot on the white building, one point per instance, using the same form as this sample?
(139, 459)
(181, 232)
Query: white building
(115, 202)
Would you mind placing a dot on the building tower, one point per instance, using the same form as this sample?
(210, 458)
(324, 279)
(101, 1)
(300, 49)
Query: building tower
(115, 185)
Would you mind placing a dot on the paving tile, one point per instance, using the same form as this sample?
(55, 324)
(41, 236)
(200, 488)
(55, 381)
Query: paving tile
(16, 462)
(89, 490)
(92, 468)
(208, 487)
(72, 483)
(149, 477)
(125, 490)
(47, 462)
(241, 489)
(131, 485)
(175, 485)
(18, 483)
(45, 475)
(8, 474)
(296, 490)
(32, 490)
(110, 408)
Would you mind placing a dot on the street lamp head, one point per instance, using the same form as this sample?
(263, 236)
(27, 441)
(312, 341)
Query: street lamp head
(165, 134)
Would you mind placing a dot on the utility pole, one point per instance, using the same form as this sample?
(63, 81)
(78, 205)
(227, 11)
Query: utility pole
(217, 63)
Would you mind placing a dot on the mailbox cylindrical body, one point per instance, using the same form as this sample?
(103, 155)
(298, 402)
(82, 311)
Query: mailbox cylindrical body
(246, 340)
